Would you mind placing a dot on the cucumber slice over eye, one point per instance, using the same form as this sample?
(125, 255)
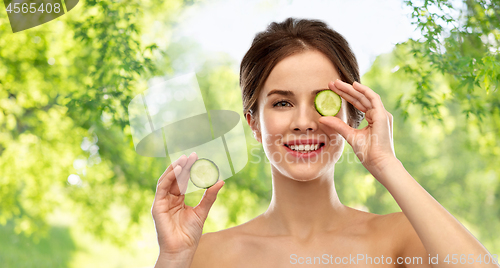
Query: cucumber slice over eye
(327, 103)
(204, 173)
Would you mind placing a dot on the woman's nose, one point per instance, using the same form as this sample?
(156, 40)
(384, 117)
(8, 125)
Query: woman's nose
(305, 119)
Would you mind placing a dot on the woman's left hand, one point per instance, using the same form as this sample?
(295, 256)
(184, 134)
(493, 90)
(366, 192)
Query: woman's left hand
(373, 144)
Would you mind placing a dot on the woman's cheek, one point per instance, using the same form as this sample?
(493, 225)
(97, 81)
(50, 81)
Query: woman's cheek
(275, 127)
(336, 140)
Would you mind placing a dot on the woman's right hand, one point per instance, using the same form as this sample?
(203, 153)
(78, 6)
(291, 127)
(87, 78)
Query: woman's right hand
(179, 227)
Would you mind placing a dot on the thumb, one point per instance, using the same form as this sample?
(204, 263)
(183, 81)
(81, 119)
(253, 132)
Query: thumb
(336, 124)
(208, 200)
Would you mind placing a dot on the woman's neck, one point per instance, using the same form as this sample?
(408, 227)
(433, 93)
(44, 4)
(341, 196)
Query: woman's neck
(303, 209)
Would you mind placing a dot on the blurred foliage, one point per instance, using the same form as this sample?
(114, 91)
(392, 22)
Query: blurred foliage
(440, 155)
(53, 251)
(454, 71)
(463, 45)
(70, 118)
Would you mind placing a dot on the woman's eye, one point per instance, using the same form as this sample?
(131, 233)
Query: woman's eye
(280, 104)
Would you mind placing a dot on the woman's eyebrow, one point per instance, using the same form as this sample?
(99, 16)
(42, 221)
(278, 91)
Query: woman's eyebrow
(290, 93)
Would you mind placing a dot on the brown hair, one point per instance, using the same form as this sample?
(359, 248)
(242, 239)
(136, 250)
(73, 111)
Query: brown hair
(281, 40)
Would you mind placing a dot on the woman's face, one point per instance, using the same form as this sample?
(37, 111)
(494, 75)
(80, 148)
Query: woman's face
(287, 115)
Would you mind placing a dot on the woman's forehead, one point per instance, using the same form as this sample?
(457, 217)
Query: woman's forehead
(301, 73)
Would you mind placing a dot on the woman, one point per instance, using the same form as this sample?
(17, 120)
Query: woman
(306, 223)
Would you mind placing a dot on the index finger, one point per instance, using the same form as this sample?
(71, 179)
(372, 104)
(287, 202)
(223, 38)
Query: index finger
(352, 96)
(180, 161)
(370, 94)
(180, 185)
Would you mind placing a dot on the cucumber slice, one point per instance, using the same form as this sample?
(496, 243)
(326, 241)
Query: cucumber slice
(204, 173)
(327, 103)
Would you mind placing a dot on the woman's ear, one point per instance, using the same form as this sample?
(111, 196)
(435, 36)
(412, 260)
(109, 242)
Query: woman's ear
(254, 126)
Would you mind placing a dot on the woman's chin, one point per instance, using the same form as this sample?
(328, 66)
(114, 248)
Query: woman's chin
(300, 172)
(303, 179)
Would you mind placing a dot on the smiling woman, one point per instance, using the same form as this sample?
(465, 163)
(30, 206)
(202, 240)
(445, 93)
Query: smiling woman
(281, 74)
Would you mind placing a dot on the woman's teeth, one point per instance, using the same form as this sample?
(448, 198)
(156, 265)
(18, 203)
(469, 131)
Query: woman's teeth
(304, 148)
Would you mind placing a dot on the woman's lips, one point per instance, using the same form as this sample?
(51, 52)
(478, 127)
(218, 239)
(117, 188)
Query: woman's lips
(304, 155)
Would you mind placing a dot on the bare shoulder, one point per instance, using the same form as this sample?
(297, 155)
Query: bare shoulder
(393, 221)
(382, 230)
(367, 223)
(219, 249)
(394, 224)
(399, 223)
(406, 239)
(211, 250)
